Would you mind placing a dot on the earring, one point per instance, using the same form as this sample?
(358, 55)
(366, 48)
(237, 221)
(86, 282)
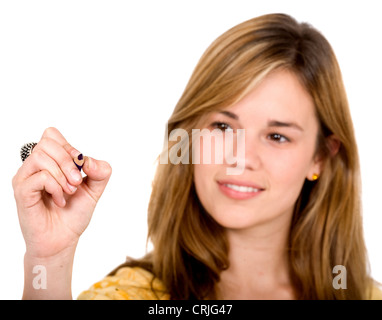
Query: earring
(315, 177)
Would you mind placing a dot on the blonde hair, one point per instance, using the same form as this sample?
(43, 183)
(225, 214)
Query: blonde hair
(190, 248)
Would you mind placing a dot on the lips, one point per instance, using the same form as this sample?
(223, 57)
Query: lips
(239, 190)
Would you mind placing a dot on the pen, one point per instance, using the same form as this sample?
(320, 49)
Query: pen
(79, 161)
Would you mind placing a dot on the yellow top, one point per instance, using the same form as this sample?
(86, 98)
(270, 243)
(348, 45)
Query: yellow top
(129, 283)
(134, 283)
(376, 293)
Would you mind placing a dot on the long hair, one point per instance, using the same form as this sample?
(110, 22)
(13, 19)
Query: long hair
(190, 248)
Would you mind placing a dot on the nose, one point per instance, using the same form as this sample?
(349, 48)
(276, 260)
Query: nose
(252, 152)
(245, 152)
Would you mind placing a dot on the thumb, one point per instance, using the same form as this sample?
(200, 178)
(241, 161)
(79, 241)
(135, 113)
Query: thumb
(98, 174)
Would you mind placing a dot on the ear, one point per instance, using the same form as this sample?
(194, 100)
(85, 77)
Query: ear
(333, 144)
(315, 170)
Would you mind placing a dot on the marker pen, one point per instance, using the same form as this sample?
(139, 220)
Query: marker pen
(79, 161)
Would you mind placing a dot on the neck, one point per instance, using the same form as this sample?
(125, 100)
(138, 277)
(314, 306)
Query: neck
(259, 264)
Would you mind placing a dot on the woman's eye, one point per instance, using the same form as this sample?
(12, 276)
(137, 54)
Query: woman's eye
(278, 138)
(221, 125)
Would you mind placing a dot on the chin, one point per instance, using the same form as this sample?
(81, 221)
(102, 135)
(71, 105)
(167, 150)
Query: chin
(235, 219)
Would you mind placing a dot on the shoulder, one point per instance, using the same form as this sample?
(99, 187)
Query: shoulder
(128, 283)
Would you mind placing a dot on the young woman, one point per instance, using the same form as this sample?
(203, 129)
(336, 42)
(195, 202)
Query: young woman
(277, 230)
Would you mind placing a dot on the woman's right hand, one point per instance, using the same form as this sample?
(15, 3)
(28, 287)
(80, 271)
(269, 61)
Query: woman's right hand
(54, 203)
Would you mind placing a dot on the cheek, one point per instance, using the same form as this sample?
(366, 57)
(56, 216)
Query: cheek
(201, 174)
(207, 147)
(198, 173)
(207, 159)
(204, 178)
(287, 172)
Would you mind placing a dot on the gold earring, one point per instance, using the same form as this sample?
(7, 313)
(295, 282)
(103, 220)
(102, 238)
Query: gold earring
(315, 177)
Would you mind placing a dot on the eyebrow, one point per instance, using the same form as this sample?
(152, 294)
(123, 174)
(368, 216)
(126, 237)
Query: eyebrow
(275, 123)
(230, 114)
(271, 123)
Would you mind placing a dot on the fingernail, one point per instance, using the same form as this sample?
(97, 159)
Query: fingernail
(91, 163)
(75, 175)
(71, 188)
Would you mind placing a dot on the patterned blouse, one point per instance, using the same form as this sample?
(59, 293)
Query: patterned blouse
(135, 283)
(129, 283)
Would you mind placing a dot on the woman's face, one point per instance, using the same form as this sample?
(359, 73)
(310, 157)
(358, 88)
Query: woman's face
(280, 141)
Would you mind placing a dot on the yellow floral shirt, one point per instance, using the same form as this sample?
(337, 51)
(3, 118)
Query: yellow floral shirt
(134, 283)
(376, 293)
(129, 283)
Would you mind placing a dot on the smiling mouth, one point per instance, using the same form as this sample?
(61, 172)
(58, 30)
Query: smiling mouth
(239, 191)
(241, 188)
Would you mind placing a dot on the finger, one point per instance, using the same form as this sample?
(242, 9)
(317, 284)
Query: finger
(55, 134)
(64, 160)
(49, 155)
(98, 175)
(31, 189)
(40, 161)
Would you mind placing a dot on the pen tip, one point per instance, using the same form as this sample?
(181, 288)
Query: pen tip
(79, 161)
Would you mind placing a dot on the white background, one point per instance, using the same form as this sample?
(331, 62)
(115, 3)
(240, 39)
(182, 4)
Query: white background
(108, 74)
